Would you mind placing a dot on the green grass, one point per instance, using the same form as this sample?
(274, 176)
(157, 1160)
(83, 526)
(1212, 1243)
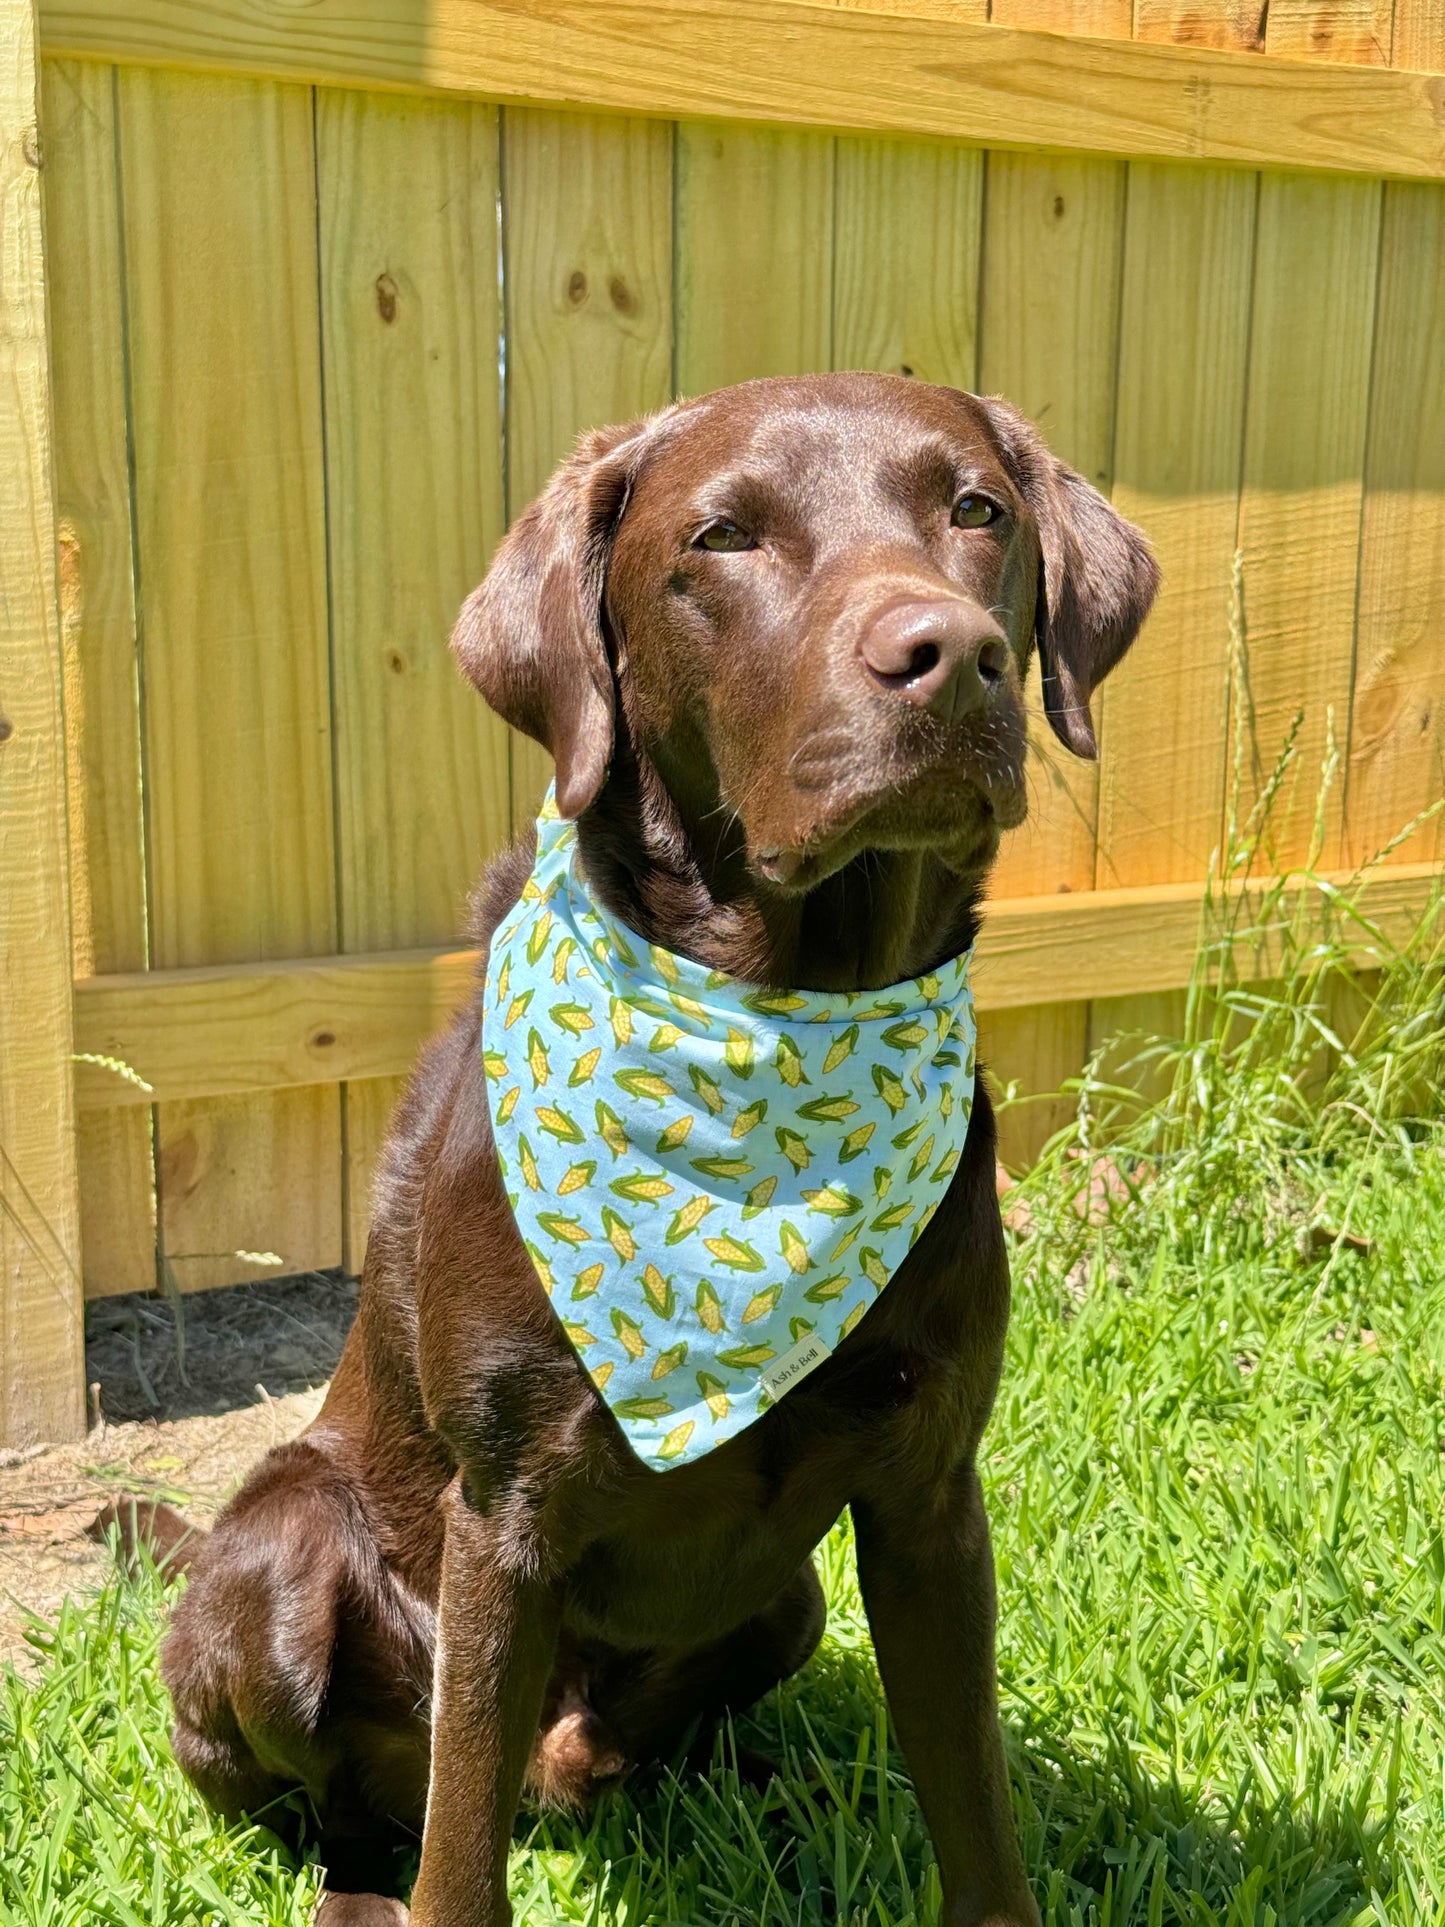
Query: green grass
(1216, 1483)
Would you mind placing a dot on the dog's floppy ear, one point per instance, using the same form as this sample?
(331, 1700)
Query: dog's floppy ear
(1097, 578)
(531, 637)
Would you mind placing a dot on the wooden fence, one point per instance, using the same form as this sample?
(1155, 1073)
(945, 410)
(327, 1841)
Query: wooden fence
(330, 289)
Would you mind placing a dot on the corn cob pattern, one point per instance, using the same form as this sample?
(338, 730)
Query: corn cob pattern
(714, 1181)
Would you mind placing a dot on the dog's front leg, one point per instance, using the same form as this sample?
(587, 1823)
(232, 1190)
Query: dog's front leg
(496, 1640)
(926, 1568)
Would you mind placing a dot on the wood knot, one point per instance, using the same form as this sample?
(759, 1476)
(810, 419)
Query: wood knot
(30, 146)
(179, 1166)
(396, 662)
(322, 1039)
(1058, 207)
(387, 295)
(7, 729)
(623, 299)
(576, 287)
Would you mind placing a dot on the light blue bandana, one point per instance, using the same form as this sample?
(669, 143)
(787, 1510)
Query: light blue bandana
(713, 1181)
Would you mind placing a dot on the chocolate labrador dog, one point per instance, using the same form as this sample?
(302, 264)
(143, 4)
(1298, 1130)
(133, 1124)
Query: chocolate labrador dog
(775, 640)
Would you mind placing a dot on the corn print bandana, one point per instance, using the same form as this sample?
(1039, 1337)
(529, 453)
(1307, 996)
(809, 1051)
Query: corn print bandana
(713, 1181)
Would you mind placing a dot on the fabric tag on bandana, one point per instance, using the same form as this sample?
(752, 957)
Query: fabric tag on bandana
(714, 1181)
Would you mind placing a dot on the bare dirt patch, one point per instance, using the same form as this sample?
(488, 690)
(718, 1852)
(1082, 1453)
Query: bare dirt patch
(191, 1392)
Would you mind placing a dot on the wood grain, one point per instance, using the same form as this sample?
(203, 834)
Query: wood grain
(220, 239)
(1028, 1055)
(366, 1121)
(1235, 26)
(97, 608)
(908, 227)
(228, 1029)
(221, 1030)
(945, 10)
(1299, 523)
(1109, 19)
(587, 231)
(1357, 31)
(1163, 715)
(411, 326)
(785, 63)
(1053, 250)
(41, 1338)
(251, 1188)
(1393, 737)
(754, 255)
(411, 329)
(1121, 1027)
(1183, 357)
(1397, 729)
(1418, 40)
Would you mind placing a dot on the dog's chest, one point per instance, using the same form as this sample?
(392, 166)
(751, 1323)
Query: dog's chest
(706, 1548)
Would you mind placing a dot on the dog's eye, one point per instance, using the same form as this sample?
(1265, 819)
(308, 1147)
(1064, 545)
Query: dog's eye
(974, 512)
(724, 538)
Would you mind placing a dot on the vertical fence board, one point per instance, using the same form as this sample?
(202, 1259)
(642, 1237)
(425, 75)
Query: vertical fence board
(1053, 231)
(1052, 252)
(411, 330)
(1032, 1052)
(219, 195)
(1236, 26)
(102, 699)
(587, 236)
(368, 1108)
(1299, 525)
(92, 507)
(1397, 729)
(1418, 38)
(905, 280)
(1162, 716)
(1351, 30)
(754, 254)
(411, 326)
(977, 10)
(41, 1375)
(1109, 19)
(1397, 733)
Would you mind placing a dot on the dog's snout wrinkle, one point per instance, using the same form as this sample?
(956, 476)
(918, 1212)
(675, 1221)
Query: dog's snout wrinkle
(942, 654)
(820, 758)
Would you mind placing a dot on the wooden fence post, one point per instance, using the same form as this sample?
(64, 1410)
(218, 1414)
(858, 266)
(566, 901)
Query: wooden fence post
(41, 1350)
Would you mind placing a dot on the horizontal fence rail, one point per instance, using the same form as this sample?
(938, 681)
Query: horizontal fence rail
(164, 1035)
(785, 62)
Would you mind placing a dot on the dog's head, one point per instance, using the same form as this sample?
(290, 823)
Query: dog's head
(810, 605)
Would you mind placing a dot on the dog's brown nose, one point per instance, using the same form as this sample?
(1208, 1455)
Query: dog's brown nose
(946, 656)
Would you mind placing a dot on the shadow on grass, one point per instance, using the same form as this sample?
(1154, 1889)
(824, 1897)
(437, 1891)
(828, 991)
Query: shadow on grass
(838, 1837)
(1108, 1840)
